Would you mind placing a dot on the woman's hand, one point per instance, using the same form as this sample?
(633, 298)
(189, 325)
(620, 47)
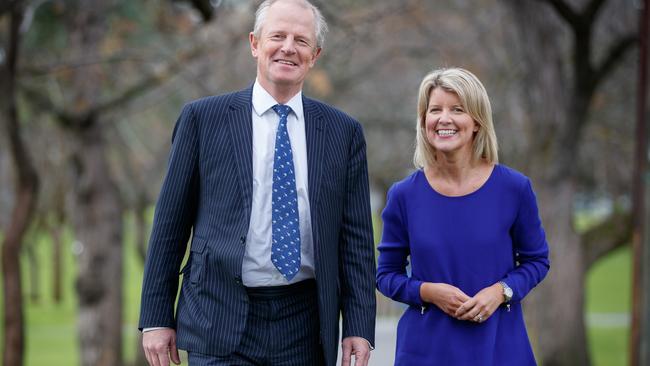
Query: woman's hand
(480, 307)
(447, 297)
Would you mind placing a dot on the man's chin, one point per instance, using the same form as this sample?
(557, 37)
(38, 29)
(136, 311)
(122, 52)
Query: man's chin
(287, 81)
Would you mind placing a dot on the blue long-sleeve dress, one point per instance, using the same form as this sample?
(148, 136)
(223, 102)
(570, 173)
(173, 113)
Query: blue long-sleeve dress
(470, 242)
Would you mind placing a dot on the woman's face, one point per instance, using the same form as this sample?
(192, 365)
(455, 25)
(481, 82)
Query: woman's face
(449, 128)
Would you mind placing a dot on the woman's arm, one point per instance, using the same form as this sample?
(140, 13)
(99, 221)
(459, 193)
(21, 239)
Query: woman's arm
(531, 248)
(394, 250)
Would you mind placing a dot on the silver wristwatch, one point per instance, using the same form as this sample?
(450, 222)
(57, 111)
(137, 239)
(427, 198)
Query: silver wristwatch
(507, 292)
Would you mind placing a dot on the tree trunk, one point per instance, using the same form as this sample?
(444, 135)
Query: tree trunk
(55, 231)
(25, 202)
(56, 234)
(96, 210)
(97, 220)
(141, 227)
(142, 230)
(558, 89)
(34, 288)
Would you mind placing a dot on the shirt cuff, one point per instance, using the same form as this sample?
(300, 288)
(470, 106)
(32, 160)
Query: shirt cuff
(370, 345)
(145, 330)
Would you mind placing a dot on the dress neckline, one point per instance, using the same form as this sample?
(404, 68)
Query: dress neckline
(474, 192)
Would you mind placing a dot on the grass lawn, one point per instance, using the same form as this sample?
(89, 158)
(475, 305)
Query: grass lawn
(609, 291)
(52, 335)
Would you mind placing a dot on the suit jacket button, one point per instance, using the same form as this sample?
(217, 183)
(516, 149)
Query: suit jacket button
(242, 240)
(238, 280)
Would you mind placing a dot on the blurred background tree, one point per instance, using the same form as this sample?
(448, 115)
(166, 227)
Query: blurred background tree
(100, 84)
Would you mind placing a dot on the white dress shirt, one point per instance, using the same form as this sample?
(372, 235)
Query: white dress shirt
(257, 268)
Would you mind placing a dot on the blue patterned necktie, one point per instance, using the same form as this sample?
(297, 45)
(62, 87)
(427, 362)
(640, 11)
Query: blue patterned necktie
(285, 251)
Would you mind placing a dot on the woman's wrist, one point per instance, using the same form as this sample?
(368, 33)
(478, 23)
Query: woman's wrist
(424, 292)
(427, 292)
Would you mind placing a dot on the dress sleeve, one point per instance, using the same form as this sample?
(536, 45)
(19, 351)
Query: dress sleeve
(392, 279)
(531, 248)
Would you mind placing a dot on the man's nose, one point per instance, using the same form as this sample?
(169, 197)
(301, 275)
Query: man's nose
(289, 45)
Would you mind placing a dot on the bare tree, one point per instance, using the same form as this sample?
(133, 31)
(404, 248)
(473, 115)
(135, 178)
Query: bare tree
(26, 188)
(93, 96)
(560, 91)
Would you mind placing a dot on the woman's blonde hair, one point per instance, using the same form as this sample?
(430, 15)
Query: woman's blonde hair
(474, 100)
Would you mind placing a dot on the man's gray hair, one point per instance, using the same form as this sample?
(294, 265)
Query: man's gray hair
(319, 20)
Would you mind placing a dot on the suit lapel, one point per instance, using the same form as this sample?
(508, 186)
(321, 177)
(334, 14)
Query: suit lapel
(315, 132)
(240, 124)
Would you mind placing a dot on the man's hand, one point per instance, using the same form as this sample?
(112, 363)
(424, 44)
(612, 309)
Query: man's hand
(357, 346)
(159, 345)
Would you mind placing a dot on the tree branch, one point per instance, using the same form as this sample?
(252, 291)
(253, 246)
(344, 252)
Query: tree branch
(42, 101)
(592, 9)
(71, 65)
(614, 55)
(6, 5)
(564, 10)
(205, 8)
(613, 232)
(152, 80)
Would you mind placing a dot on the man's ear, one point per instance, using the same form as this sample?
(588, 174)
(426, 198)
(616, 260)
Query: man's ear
(315, 56)
(254, 43)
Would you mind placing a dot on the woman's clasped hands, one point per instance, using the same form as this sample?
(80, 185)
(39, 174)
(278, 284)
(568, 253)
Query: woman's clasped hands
(455, 303)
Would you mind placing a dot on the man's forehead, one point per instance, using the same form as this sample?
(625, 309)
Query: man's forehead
(279, 21)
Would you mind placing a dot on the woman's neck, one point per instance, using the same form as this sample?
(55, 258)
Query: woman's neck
(453, 167)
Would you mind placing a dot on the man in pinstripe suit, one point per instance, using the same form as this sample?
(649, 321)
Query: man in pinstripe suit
(237, 306)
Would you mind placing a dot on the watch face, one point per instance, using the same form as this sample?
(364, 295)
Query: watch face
(508, 292)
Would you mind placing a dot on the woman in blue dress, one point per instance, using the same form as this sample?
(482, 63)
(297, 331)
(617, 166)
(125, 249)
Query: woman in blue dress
(472, 231)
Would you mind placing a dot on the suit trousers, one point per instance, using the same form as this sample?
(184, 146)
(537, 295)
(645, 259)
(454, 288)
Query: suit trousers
(282, 329)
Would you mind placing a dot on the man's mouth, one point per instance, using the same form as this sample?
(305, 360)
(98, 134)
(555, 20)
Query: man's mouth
(286, 62)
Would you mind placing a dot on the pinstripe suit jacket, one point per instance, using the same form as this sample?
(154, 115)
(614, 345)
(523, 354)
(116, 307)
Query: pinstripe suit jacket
(208, 192)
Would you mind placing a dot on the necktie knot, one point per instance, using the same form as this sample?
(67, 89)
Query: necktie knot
(282, 110)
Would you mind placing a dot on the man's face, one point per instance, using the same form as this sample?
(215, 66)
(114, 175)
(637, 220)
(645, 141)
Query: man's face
(286, 48)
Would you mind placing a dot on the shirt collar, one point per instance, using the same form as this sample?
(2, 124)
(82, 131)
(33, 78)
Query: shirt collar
(263, 101)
